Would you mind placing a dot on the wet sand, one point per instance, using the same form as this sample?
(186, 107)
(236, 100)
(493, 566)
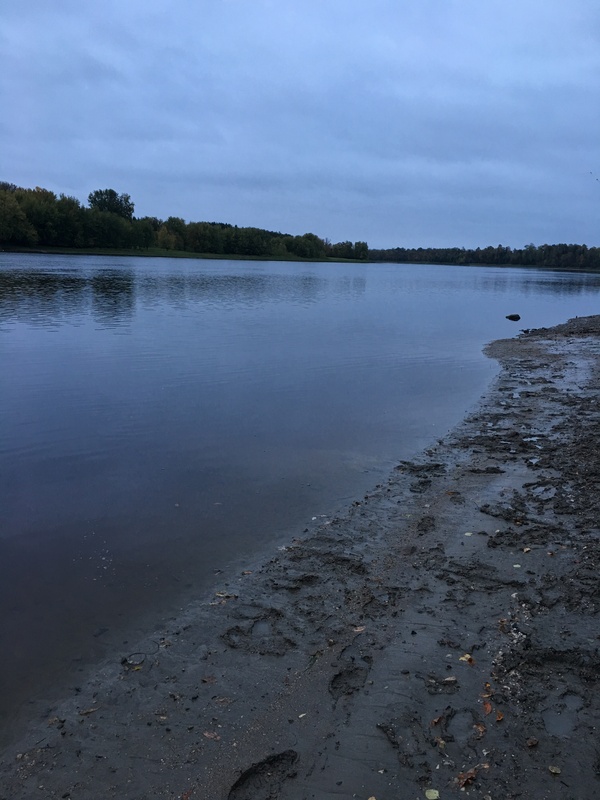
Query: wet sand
(439, 636)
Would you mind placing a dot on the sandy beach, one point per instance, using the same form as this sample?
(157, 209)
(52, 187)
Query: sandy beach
(438, 639)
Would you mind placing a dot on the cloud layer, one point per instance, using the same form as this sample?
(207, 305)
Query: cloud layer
(442, 122)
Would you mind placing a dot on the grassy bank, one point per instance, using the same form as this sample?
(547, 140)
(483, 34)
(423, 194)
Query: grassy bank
(157, 252)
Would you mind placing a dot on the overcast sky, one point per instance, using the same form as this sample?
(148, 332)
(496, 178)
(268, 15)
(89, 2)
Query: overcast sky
(398, 122)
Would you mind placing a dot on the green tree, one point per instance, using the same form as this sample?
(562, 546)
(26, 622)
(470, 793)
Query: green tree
(177, 231)
(143, 233)
(165, 239)
(104, 229)
(40, 209)
(109, 200)
(343, 250)
(69, 222)
(361, 250)
(15, 228)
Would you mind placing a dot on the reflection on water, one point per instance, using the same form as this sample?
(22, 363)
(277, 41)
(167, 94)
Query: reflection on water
(113, 297)
(163, 419)
(44, 297)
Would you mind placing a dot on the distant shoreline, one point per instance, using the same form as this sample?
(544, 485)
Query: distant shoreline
(185, 254)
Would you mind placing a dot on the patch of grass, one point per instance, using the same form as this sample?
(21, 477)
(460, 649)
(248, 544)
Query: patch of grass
(157, 252)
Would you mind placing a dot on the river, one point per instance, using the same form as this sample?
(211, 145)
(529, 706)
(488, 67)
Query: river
(166, 421)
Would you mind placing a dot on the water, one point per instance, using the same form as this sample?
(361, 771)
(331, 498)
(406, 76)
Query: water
(166, 419)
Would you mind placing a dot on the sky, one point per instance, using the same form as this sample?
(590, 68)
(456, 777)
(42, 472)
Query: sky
(403, 123)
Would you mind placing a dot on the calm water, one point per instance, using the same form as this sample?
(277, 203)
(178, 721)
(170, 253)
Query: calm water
(165, 419)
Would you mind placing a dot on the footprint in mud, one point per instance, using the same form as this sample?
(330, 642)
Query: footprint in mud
(348, 681)
(420, 486)
(263, 781)
(261, 637)
(560, 717)
(426, 524)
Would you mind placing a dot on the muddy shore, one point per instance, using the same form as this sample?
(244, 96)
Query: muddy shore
(441, 636)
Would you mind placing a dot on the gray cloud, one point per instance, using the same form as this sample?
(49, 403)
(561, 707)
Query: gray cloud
(442, 122)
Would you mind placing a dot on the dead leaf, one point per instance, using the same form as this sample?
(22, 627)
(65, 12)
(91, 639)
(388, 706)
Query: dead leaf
(209, 679)
(450, 680)
(468, 658)
(436, 720)
(223, 701)
(359, 629)
(527, 549)
(532, 742)
(554, 770)
(480, 728)
(499, 716)
(440, 742)
(86, 711)
(465, 778)
(211, 735)
(487, 707)
(247, 572)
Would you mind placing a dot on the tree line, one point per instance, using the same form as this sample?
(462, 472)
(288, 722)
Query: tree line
(564, 256)
(40, 218)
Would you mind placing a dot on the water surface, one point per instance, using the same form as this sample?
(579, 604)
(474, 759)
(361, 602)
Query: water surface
(166, 419)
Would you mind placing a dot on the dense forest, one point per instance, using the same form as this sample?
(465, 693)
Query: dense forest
(564, 256)
(38, 218)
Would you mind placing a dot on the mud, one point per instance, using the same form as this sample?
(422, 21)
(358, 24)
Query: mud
(441, 634)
